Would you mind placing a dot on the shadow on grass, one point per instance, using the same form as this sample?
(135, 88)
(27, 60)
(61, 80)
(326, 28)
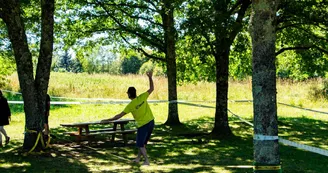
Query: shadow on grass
(13, 160)
(308, 131)
(179, 149)
(190, 144)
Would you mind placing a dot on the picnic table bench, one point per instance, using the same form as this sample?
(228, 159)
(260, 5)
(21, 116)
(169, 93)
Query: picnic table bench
(84, 132)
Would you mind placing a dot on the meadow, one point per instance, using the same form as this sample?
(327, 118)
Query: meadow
(172, 149)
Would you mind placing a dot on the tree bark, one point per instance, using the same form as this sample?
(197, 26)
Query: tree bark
(33, 91)
(221, 124)
(169, 38)
(224, 38)
(46, 49)
(266, 146)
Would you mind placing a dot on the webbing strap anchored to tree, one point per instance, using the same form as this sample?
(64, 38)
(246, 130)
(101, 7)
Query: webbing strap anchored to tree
(39, 137)
(37, 140)
(267, 168)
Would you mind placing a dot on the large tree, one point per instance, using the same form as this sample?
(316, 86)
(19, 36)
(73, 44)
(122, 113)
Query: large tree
(213, 27)
(263, 22)
(33, 88)
(146, 26)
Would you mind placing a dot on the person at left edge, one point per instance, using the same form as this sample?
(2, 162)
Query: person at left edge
(5, 117)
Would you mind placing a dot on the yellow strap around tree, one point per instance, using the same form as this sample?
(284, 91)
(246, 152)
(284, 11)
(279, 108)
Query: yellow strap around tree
(39, 137)
(268, 168)
(36, 142)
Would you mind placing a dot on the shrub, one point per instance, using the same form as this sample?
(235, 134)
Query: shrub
(317, 93)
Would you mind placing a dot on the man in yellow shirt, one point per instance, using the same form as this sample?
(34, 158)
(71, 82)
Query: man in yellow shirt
(143, 115)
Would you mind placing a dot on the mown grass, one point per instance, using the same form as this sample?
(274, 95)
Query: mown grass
(179, 149)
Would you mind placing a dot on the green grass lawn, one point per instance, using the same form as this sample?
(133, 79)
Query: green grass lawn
(179, 149)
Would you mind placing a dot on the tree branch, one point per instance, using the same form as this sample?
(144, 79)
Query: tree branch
(302, 48)
(233, 8)
(300, 24)
(311, 33)
(294, 12)
(293, 48)
(122, 5)
(144, 37)
(236, 27)
(154, 6)
(151, 56)
(143, 51)
(289, 25)
(139, 17)
(321, 49)
(101, 30)
(141, 34)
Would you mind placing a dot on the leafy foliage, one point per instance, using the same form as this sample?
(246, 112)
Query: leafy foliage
(157, 68)
(211, 28)
(240, 60)
(301, 39)
(193, 63)
(121, 21)
(131, 65)
(302, 27)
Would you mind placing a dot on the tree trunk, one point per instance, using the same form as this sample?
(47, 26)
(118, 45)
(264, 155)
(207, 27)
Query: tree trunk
(266, 146)
(173, 116)
(23, 57)
(46, 49)
(225, 33)
(169, 38)
(34, 92)
(221, 124)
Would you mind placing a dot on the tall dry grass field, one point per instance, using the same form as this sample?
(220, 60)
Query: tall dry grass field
(105, 86)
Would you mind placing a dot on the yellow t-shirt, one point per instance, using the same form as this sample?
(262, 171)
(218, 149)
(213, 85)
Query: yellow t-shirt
(140, 109)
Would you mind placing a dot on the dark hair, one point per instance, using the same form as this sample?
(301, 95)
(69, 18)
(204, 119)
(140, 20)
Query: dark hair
(132, 92)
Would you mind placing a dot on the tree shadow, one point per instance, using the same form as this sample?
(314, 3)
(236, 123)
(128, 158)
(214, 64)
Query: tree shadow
(184, 148)
(200, 149)
(189, 144)
(52, 160)
(308, 131)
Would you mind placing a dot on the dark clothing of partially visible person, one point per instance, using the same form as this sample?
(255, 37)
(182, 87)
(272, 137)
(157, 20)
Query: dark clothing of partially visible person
(47, 109)
(4, 112)
(4, 118)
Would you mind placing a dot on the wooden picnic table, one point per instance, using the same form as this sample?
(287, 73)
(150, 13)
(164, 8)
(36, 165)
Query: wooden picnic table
(84, 132)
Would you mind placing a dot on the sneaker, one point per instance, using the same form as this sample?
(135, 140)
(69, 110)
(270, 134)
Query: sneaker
(7, 140)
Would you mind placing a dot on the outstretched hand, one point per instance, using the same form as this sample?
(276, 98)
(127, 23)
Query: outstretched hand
(149, 73)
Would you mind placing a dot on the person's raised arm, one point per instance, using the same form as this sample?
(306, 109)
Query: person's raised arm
(151, 83)
(116, 117)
